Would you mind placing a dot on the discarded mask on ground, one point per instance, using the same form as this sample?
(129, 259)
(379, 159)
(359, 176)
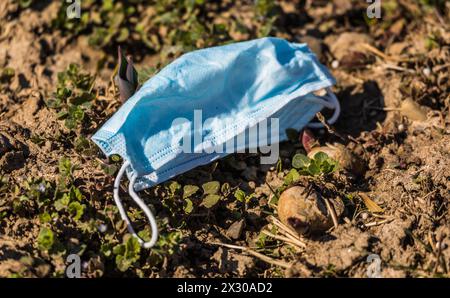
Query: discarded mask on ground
(209, 103)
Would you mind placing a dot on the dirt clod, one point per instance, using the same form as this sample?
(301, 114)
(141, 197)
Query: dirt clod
(305, 211)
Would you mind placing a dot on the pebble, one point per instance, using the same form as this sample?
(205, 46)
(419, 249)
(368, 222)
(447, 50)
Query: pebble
(102, 228)
(235, 230)
(335, 64)
(41, 188)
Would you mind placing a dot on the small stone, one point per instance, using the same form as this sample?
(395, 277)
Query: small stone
(235, 230)
(84, 265)
(41, 188)
(335, 64)
(349, 42)
(412, 110)
(42, 270)
(102, 228)
(305, 211)
(426, 71)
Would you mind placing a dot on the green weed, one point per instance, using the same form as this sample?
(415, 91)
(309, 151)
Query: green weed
(321, 164)
(73, 96)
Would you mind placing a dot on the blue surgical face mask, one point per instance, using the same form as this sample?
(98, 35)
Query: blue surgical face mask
(208, 99)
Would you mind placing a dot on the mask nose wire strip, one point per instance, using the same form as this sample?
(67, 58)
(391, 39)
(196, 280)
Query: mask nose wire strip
(139, 202)
(329, 101)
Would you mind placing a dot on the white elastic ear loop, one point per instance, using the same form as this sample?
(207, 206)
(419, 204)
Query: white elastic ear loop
(329, 101)
(148, 213)
(140, 203)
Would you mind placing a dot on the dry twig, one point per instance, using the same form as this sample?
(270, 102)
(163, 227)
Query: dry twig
(255, 254)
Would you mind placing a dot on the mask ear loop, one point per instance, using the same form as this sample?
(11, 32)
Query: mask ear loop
(139, 202)
(329, 101)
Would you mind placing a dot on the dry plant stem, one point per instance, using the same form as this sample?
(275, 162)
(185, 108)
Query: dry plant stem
(377, 223)
(380, 53)
(292, 238)
(332, 212)
(386, 109)
(398, 68)
(440, 67)
(430, 239)
(438, 254)
(286, 232)
(285, 239)
(274, 194)
(284, 228)
(322, 120)
(380, 216)
(440, 18)
(255, 254)
(428, 194)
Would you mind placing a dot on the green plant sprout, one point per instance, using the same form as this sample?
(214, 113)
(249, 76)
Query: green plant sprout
(127, 253)
(321, 164)
(73, 96)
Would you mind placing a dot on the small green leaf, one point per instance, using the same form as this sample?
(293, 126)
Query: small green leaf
(123, 34)
(324, 163)
(320, 157)
(109, 170)
(211, 187)
(210, 200)
(81, 143)
(106, 249)
(76, 209)
(291, 177)
(45, 239)
(25, 3)
(44, 217)
(62, 114)
(123, 263)
(225, 189)
(189, 206)
(189, 190)
(127, 253)
(174, 187)
(145, 234)
(6, 74)
(75, 194)
(70, 123)
(239, 195)
(65, 167)
(119, 249)
(76, 113)
(314, 169)
(300, 161)
(115, 158)
(62, 203)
